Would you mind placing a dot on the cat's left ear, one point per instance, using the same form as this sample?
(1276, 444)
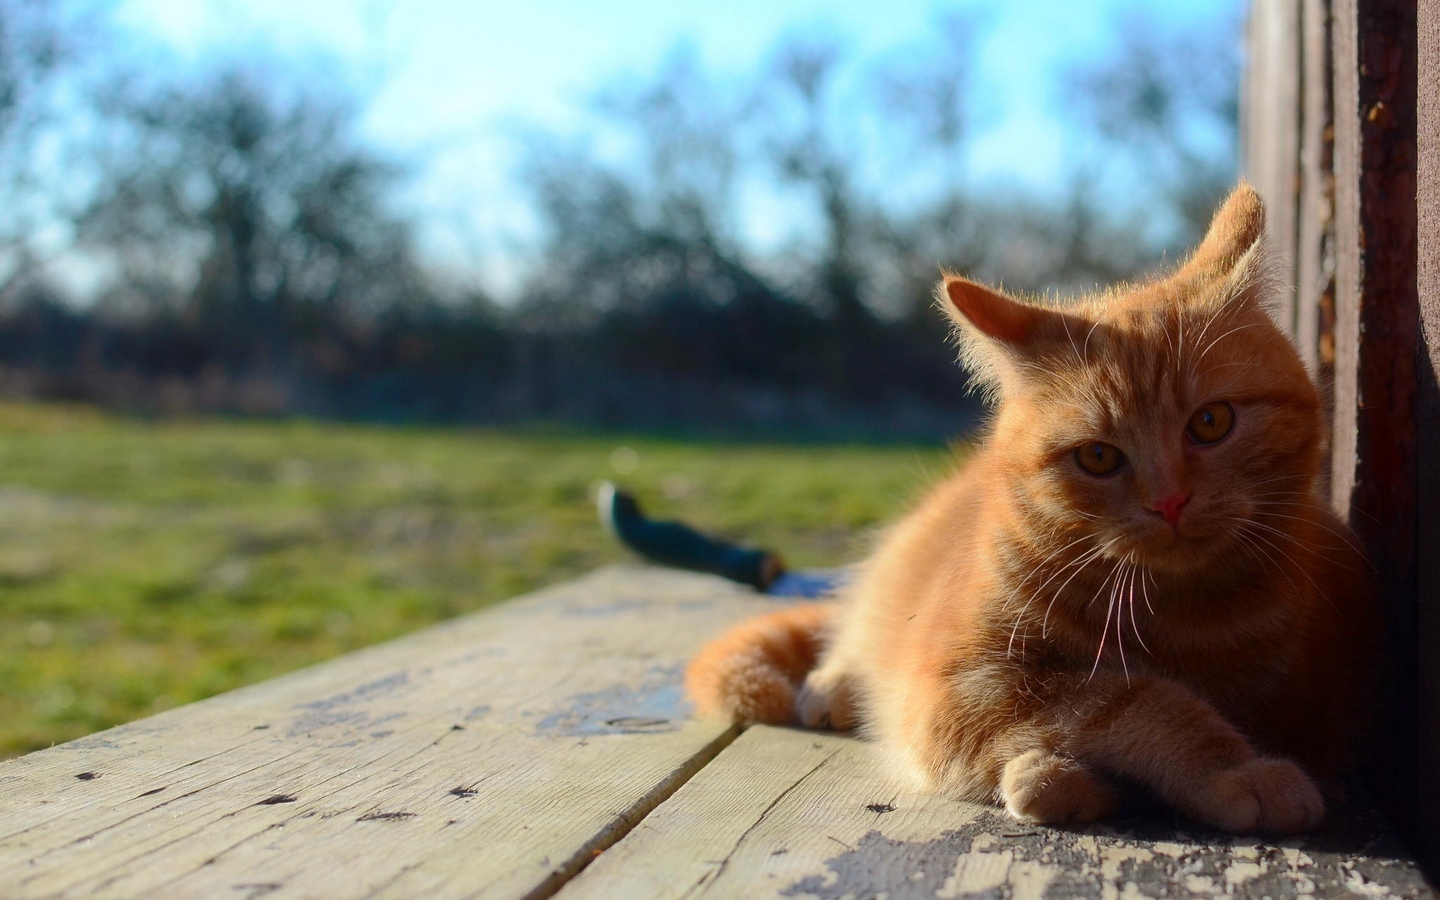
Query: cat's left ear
(1233, 252)
(1236, 231)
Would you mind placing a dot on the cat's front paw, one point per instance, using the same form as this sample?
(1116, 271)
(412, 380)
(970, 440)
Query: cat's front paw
(1049, 789)
(1272, 796)
(826, 700)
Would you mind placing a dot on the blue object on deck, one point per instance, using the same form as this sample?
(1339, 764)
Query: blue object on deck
(677, 544)
(814, 583)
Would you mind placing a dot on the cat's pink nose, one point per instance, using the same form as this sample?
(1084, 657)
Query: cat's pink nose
(1170, 507)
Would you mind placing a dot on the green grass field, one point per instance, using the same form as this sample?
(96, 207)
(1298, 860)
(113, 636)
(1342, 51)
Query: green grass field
(145, 564)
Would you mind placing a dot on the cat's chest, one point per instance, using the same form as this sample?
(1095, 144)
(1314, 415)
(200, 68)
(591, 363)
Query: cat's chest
(1232, 670)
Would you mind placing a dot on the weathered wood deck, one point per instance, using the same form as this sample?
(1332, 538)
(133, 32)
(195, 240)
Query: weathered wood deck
(544, 748)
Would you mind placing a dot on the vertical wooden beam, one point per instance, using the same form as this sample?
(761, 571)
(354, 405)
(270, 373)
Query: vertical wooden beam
(1315, 250)
(1374, 459)
(1270, 134)
(1428, 415)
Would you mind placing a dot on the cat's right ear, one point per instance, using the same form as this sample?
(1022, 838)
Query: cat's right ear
(998, 317)
(992, 328)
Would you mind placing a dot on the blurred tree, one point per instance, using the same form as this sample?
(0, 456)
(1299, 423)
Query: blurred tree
(757, 249)
(33, 44)
(926, 93)
(802, 142)
(660, 222)
(39, 41)
(685, 131)
(644, 268)
(1165, 104)
(253, 213)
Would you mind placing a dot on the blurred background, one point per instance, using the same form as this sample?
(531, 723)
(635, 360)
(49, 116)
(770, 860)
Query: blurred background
(318, 322)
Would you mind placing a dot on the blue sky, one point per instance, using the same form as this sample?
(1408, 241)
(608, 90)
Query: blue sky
(446, 81)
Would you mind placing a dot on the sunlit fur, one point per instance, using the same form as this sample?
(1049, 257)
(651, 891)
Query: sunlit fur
(1030, 630)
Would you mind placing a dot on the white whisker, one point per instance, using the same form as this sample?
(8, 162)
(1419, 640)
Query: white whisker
(1105, 631)
(1133, 625)
(1085, 561)
(1283, 570)
(1020, 585)
(1065, 321)
(1086, 351)
(1347, 539)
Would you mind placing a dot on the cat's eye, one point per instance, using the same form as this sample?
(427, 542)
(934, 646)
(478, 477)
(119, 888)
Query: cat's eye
(1099, 458)
(1211, 423)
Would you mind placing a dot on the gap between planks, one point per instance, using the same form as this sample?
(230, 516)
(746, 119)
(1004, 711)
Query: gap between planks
(627, 821)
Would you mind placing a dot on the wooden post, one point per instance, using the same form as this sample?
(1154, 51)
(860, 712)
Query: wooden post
(1428, 416)
(1315, 250)
(1374, 455)
(1270, 135)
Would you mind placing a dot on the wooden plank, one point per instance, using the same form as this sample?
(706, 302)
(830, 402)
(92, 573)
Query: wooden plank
(1374, 471)
(1270, 134)
(493, 754)
(806, 814)
(1428, 416)
(1315, 250)
(1377, 305)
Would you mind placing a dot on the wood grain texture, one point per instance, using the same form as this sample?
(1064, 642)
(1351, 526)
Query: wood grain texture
(1315, 250)
(1377, 306)
(493, 755)
(785, 813)
(1428, 417)
(1374, 472)
(1270, 135)
(503, 753)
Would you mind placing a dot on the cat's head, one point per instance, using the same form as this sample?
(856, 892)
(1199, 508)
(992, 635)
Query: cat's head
(1163, 420)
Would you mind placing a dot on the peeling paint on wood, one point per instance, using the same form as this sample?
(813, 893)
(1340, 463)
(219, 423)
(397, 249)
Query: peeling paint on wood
(656, 703)
(784, 813)
(988, 858)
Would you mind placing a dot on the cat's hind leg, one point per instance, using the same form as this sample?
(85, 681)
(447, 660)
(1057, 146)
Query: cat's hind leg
(828, 699)
(750, 673)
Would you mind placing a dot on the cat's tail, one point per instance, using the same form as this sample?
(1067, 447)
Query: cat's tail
(750, 674)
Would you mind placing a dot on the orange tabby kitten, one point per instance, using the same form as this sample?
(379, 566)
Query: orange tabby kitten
(1135, 576)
